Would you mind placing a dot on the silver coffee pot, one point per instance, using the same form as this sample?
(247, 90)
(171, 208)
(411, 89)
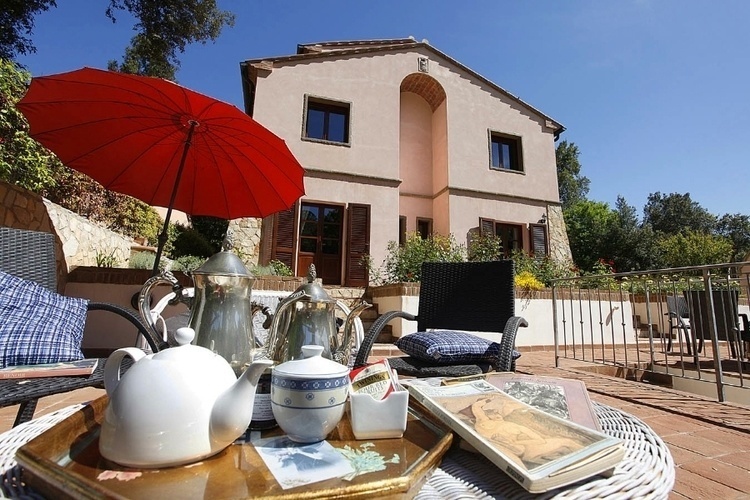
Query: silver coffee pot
(308, 317)
(221, 309)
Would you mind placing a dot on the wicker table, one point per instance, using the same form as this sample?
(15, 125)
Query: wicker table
(647, 471)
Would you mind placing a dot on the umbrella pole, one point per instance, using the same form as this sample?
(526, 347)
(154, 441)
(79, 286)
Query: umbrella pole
(163, 234)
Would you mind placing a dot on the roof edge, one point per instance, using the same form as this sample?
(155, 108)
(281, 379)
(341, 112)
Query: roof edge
(354, 47)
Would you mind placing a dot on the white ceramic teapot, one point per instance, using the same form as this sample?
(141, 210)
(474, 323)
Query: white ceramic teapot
(176, 406)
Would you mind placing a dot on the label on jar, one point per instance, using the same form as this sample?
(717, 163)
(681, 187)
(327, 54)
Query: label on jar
(375, 379)
(262, 411)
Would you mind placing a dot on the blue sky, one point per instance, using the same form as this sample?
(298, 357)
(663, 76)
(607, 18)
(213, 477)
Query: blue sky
(654, 93)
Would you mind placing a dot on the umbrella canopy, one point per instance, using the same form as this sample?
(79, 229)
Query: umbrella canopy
(162, 143)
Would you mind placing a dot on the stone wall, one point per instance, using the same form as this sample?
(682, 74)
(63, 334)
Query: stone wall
(83, 239)
(247, 238)
(559, 245)
(78, 239)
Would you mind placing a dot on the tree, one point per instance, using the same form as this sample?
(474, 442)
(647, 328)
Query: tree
(17, 21)
(23, 161)
(166, 27)
(736, 228)
(675, 213)
(590, 225)
(631, 245)
(691, 248)
(572, 186)
(213, 229)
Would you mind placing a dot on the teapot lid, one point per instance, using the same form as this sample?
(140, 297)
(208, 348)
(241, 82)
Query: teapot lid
(225, 262)
(311, 365)
(316, 292)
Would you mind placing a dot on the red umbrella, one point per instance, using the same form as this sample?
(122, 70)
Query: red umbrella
(164, 144)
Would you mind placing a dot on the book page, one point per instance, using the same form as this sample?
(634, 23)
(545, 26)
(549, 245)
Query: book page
(528, 437)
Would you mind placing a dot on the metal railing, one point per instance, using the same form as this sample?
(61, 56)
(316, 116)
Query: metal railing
(686, 327)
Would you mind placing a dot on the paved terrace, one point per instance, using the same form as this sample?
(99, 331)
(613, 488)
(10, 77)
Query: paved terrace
(709, 441)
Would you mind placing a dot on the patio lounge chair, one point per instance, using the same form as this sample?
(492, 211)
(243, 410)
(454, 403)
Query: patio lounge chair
(464, 297)
(679, 319)
(30, 255)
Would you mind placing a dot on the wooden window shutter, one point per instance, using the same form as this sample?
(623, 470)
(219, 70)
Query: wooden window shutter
(539, 245)
(266, 240)
(358, 243)
(486, 227)
(285, 237)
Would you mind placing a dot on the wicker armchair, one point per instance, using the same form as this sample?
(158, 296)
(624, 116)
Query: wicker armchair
(468, 296)
(31, 255)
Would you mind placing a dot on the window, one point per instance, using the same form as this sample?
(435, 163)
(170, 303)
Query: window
(326, 121)
(510, 235)
(505, 152)
(401, 230)
(424, 227)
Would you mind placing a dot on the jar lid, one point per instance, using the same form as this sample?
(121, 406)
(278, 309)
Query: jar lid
(225, 262)
(311, 365)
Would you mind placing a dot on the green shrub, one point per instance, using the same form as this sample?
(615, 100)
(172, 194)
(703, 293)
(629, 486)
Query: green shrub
(191, 242)
(273, 268)
(212, 229)
(106, 260)
(141, 260)
(544, 269)
(404, 263)
(187, 263)
(484, 248)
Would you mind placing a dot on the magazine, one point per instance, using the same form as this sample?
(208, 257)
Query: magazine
(63, 369)
(538, 450)
(561, 397)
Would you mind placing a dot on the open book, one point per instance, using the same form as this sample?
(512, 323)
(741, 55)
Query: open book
(62, 369)
(563, 397)
(538, 450)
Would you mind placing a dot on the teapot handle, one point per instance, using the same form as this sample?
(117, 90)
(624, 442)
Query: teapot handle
(114, 362)
(144, 299)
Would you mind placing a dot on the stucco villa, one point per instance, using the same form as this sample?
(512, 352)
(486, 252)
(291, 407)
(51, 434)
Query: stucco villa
(396, 136)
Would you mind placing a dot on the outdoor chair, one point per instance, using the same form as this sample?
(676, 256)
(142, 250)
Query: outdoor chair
(456, 300)
(744, 337)
(30, 255)
(679, 319)
(720, 315)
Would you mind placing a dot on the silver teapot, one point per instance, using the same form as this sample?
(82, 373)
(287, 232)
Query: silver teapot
(221, 309)
(308, 317)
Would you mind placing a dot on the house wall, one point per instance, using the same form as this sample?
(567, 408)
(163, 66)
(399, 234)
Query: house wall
(404, 158)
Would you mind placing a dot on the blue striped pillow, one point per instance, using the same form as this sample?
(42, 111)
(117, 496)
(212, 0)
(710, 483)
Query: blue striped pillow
(37, 325)
(449, 347)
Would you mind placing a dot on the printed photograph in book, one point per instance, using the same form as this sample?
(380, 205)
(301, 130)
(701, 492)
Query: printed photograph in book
(530, 439)
(564, 398)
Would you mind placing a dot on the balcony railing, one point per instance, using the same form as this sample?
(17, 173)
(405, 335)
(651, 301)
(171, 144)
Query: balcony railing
(685, 327)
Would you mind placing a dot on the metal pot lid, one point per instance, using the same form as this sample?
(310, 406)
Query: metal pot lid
(313, 365)
(225, 262)
(316, 292)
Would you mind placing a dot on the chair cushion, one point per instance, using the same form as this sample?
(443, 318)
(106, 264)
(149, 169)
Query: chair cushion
(38, 325)
(449, 347)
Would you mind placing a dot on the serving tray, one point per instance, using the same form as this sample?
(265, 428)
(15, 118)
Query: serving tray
(64, 462)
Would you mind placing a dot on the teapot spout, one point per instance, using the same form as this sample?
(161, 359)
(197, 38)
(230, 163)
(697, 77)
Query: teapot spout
(344, 352)
(233, 409)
